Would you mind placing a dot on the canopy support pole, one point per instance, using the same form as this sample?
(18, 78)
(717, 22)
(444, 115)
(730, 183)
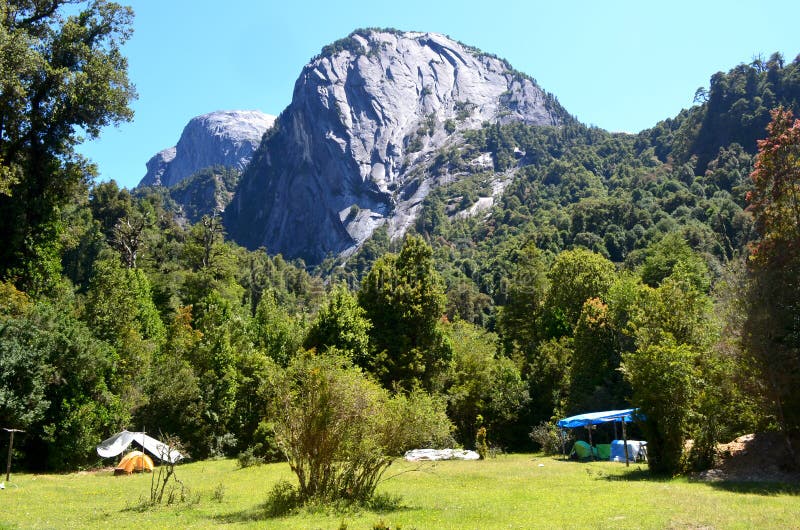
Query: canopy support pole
(591, 443)
(563, 443)
(625, 442)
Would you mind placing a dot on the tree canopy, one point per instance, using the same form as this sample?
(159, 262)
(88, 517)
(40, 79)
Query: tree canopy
(63, 78)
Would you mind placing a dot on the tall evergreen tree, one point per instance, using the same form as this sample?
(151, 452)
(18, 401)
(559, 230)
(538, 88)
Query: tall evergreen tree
(403, 297)
(341, 324)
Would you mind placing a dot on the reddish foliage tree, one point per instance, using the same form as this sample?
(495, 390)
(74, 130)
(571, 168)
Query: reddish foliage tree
(771, 331)
(775, 198)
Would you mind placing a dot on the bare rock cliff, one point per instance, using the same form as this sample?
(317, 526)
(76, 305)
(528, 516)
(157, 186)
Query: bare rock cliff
(365, 113)
(223, 138)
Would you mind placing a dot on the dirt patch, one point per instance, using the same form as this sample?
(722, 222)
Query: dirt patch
(761, 457)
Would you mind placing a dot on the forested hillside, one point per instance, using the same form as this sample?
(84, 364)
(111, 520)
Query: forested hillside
(553, 270)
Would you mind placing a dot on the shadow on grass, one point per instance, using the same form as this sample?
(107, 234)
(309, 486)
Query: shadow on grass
(757, 488)
(632, 474)
(641, 474)
(258, 513)
(278, 509)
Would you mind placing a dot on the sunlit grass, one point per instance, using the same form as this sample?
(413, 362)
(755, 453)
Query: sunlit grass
(513, 491)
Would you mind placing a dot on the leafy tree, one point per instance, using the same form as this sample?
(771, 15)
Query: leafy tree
(255, 391)
(58, 381)
(466, 302)
(771, 330)
(175, 405)
(775, 197)
(672, 369)
(340, 431)
(341, 324)
(204, 246)
(576, 276)
(175, 399)
(548, 377)
(82, 243)
(213, 264)
(664, 379)
(119, 309)
(214, 358)
(738, 402)
(109, 204)
(626, 297)
(671, 253)
(119, 299)
(520, 322)
(276, 333)
(675, 311)
(403, 297)
(24, 372)
(594, 373)
(481, 384)
(63, 77)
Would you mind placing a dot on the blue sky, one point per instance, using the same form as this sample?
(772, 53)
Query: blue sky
(619, 65)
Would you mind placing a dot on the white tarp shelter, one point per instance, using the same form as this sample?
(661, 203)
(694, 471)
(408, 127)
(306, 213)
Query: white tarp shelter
(120, 441)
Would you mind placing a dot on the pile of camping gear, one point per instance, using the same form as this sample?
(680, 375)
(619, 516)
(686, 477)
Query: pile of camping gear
(623, 450)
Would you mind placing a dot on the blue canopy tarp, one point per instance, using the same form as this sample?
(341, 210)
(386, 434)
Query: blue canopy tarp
(594, 418)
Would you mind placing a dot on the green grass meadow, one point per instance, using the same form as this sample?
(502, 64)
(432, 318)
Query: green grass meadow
(510, 491)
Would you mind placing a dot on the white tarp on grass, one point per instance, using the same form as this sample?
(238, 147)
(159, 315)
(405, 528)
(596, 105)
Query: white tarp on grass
(421, 455)
(119, 442)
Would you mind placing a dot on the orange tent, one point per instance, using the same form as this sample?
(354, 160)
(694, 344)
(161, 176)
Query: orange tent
(134, 461)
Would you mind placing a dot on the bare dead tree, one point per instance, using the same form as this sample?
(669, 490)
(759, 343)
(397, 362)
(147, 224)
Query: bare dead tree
(127, 239)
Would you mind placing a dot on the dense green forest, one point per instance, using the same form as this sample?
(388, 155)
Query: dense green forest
(579, 270)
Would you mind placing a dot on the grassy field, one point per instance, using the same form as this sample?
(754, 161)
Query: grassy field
(510, 491)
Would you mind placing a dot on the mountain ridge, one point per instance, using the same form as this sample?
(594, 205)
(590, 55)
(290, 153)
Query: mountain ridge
(366, 114)
(220, 138)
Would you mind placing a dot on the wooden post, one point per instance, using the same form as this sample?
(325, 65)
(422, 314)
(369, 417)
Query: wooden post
(625, 442)
(10, 447)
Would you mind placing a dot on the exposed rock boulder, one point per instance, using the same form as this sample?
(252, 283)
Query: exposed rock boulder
(224, 138)
(366, 114)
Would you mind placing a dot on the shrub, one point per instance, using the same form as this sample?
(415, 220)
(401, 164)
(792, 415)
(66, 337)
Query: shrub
(283, 499)
(218, 493)
(548, 437)
(480, 443)
(248, 458)
(340, 431)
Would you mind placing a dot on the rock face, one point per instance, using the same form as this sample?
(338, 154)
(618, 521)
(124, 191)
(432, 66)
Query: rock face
(224, 138)
(366, 113)
(206, 192)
